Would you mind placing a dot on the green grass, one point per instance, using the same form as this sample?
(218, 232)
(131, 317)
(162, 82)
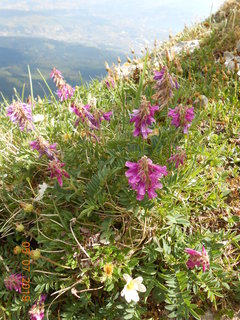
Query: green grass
(95, 211)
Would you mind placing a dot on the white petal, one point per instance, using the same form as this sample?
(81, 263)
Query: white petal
(124, 291)
(134, 295)
(141, 287)
(127, 277)
(131, 295)
(128, 296)
(138, 280)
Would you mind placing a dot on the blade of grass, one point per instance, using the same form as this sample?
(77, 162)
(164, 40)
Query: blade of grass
(140, 87)
(31, 87)
(49, 89)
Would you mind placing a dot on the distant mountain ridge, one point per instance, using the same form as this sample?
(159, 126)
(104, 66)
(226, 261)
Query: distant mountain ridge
(16, 53)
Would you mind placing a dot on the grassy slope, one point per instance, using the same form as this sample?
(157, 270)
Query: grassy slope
(199, 203)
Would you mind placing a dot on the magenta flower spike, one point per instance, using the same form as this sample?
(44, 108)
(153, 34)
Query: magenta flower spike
(21, 113)
(143, 177)
(43, 147)
(110, 83)
(37, 310)
(57, 77)
(165, 84)
(80, 110)
(143, 117)
(158, 75)
(56, 171)
(197, 258)
(92, 119)
(65, 91)
(179, 157)
(95, 118)
(182, 116)
(14, 282)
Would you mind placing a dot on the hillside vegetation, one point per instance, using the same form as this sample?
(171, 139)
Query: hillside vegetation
(120, 199)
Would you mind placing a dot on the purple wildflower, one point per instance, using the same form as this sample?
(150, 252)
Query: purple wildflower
(178, 157)
(165, 84)
(80, 110)
(110, 83)
(55, 167)
(182, 116)
(57, 77)
(65, 91)
(95, 118)
(92, 118)
(197, 258)
(14, 282)
(143, 117)
(37, 310)
(158, 75)
(43, 147)
(143, 177)
(21, 113)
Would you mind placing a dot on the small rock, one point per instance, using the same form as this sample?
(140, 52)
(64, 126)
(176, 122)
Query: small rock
(186, 45)
(230, 61)
(236, 316)
(238, 47)
(228, 55)
(202, 101)
(208, 316)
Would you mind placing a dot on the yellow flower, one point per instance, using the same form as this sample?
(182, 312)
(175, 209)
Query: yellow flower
(67, 136)
(108, 270)
(17, 250)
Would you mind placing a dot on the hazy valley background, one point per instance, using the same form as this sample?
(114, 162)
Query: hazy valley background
(79, 36)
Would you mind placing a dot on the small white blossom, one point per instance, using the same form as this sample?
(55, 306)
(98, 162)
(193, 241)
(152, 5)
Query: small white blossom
(130, 291)
(38, 118)
(42, 189)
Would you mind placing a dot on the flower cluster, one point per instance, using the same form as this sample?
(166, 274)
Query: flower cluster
(80, 110)
(110, 82)
(179, 157)
(21, 113)
(197, 258)
(44, 147)
(143, 117)
(89, 114)
(182, 116)
(37, 310)
(143, 177)
(14, 282)
(65, 91)
(55, 167)
(165, 84)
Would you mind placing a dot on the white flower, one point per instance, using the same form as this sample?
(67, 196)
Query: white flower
(92, 101)
(42, 188)
(38, 117)
(130, 291)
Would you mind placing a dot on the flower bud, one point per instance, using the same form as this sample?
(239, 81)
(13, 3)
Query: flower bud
(35, 254)
(27, 207)
(20, 227)
(17, 250)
